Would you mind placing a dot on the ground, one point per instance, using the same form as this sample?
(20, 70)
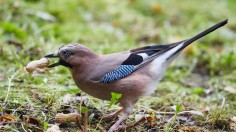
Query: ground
(202, 80)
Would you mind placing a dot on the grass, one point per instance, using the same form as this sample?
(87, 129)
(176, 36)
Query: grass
(198, 79)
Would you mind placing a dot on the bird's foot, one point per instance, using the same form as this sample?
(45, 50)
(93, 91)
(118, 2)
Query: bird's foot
(112, 115)
(117, 125)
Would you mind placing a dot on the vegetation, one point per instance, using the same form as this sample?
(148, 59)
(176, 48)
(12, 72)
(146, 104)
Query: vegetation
(196, 94)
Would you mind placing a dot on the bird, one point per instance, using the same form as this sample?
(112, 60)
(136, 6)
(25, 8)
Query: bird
(132, 73)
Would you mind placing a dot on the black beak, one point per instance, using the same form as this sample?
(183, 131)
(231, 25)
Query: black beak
(60, 62)
(54, 65)
(53, 55)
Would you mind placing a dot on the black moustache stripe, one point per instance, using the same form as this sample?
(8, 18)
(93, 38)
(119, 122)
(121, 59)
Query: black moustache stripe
(64, 63)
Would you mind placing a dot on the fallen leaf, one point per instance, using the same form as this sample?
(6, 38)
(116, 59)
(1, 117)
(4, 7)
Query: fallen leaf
(230, 89)
(31, 120)
(151, 119)
(6, 118)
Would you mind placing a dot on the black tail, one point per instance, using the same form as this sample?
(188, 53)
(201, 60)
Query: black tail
(202, 34)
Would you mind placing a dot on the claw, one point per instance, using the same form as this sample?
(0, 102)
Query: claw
(117, 125)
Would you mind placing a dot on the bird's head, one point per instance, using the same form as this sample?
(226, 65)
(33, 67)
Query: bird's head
(70, 55)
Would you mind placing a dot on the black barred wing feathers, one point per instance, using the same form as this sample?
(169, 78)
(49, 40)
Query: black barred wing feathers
(138, 58)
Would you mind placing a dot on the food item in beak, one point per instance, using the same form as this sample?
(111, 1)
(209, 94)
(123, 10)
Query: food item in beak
(33, 65)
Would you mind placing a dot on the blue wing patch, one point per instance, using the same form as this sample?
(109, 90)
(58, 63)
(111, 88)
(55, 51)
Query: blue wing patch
(118, 73)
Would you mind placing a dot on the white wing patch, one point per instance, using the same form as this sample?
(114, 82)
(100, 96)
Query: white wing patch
(144, 55)
(162, 58)
(158, 66)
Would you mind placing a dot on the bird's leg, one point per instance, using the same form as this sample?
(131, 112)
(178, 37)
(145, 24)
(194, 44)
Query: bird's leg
(116, 126)
(128, 109)
(112, 115)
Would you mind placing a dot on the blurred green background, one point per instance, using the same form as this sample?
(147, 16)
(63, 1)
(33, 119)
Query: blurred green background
(203, 75)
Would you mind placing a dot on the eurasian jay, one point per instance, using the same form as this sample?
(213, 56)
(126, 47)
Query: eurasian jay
(134, 73)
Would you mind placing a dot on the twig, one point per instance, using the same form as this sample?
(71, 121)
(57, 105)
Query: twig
(135, 123)
(85, 121)
(10, 122)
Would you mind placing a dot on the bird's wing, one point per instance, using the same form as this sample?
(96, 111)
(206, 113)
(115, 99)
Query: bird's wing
(142, 56)
(138, 58)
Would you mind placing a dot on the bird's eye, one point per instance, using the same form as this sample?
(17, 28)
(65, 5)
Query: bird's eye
(64, 52)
